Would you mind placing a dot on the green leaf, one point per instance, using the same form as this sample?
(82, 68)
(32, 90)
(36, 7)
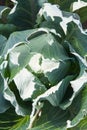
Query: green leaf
(10, 120)
(25, 13)
(77, 38)
(22, 124)
(4, 11)
(48, 47)
(70, 5)
(45, 69)
(18, 58)
(11, 94)
(80, 119)
(57, 119)
(15, 38)
(3, 103)
(28, 85)
(77, 85)
(54, 118)
(55, 94)
(80, 8)
(7, 29)
(64, 5)
(82, 125)
(1, 8)
(59, 95)
(15, 58)
(81, 62)
(52, 54)
(57, 74)
(3, 41)
(78, 5)
(58, 21)
(2, 83)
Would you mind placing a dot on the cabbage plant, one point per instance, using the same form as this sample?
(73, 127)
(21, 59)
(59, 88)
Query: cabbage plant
(43, 68)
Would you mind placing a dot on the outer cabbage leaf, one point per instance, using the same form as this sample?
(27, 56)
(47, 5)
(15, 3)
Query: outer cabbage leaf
(77, 39)
(10, 120)
(21, 124)
(16, 38)
(59, 95)
(77, 85)
(28, 85)
(55, 118)
(18, 58)
(11, 94)
(82, 125)
(3, 103)
(66, 119)
(80, 7)
(55, 94)
(5, 28)
(4, 11)
(64, 5)
(50, 44)
(21, 7)
(80, 119)
(70, 5)
(2, 7)
(2, 43)
(59, 19)
(52, 118)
